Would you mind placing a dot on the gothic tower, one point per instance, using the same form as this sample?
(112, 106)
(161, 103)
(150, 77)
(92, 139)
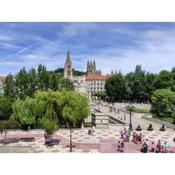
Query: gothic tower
(68, 73)
(88, 66)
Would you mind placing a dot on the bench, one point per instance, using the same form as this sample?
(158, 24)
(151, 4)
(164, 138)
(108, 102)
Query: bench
(51, 142)
(27, 139)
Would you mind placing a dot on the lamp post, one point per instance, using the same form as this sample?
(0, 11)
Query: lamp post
(70, 139)
(130, 117)
(124, 111)
(70, 133)
(130, 120)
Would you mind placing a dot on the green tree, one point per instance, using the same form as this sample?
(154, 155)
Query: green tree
(75, 108)
(22, 82)
(32, 83)
(25, 112)
(163, 103)
(66, 84)
(43, 77)
(59, 107)
(136, 82)
(149, 85)
(54, 81)
(173, 79)
(5, 106)
(9, 86)
(100, 95)
(116, 87)
(164, 80)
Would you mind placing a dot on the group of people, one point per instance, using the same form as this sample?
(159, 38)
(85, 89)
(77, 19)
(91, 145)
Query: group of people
(137, 138)
(155, 147)
(113, 109)
(120, 146)
(125, 135)
(146, 146)
(91, 130)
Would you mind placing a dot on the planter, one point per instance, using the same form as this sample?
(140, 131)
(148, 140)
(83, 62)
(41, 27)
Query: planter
(150, 127)
(138, 128)
(163, 128)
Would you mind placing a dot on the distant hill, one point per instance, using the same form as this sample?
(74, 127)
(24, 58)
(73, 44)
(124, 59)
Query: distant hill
(75, 72)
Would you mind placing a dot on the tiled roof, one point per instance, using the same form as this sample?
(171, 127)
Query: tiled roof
(97, 77)
(2, 78)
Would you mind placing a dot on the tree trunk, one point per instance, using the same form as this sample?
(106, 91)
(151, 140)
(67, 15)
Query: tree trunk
(5, 137)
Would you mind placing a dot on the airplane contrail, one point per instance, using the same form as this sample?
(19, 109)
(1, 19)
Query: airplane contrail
(26, 48)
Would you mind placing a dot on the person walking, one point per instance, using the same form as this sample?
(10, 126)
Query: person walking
(152, 147)
(122, 146)
(165, 147)
(119, 146)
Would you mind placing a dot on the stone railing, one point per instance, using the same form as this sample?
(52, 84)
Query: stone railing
(154, 120)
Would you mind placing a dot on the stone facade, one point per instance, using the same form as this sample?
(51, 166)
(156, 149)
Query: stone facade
(80, 83)
(68, 72)
(1, 83)
(90, 83)
(95, 83)
(91, 68)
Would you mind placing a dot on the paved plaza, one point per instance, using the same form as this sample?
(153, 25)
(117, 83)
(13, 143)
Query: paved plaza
(136, 117)
(103, 141)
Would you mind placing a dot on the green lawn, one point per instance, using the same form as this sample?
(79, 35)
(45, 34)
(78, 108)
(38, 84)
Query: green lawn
(140, 110)
(165, 119)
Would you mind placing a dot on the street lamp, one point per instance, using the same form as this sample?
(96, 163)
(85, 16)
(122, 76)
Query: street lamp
(124, 111)
(70, 140)
(130, 116)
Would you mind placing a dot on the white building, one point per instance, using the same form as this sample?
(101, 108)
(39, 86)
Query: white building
(1, 83)
(80, 83)
(90, 83)
(95, 83)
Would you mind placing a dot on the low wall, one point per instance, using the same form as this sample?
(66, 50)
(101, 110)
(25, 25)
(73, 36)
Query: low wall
(167, 125)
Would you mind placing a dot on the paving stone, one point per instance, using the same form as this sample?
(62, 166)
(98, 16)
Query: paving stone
(85, 151)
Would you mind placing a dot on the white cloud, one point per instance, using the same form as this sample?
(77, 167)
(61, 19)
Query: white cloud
(5, 38)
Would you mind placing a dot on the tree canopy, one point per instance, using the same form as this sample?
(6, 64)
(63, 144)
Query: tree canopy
(26, 83)
(163, 103)
(59, 107)
(138, 86)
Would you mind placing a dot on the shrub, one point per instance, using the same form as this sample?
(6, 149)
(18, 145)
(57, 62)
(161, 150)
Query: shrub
(150, 127)
(138, 128)
(87, 124)
(139, 110)
(162, 128)
(11, 123)
(50, 126)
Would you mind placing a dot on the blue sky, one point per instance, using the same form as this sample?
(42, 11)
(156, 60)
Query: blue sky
(119, 46)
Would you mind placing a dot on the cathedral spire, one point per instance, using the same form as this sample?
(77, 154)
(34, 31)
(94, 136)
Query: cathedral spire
(68, 57)
(68, 73)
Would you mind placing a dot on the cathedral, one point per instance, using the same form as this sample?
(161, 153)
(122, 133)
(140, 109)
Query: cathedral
(91, 68)
(90, 83)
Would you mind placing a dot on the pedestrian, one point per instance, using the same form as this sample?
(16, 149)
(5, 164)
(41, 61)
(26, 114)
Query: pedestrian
(119, 146)
(144, 148)
(147, 142)
(152, 147)
(1, 130)
(121, 134)
(165, 147)
(122, 146)
(158, 147)
(89, 131)
(93, 128)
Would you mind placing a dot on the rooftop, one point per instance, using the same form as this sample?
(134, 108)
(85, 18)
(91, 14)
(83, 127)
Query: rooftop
(2, 78)
(97, 77)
